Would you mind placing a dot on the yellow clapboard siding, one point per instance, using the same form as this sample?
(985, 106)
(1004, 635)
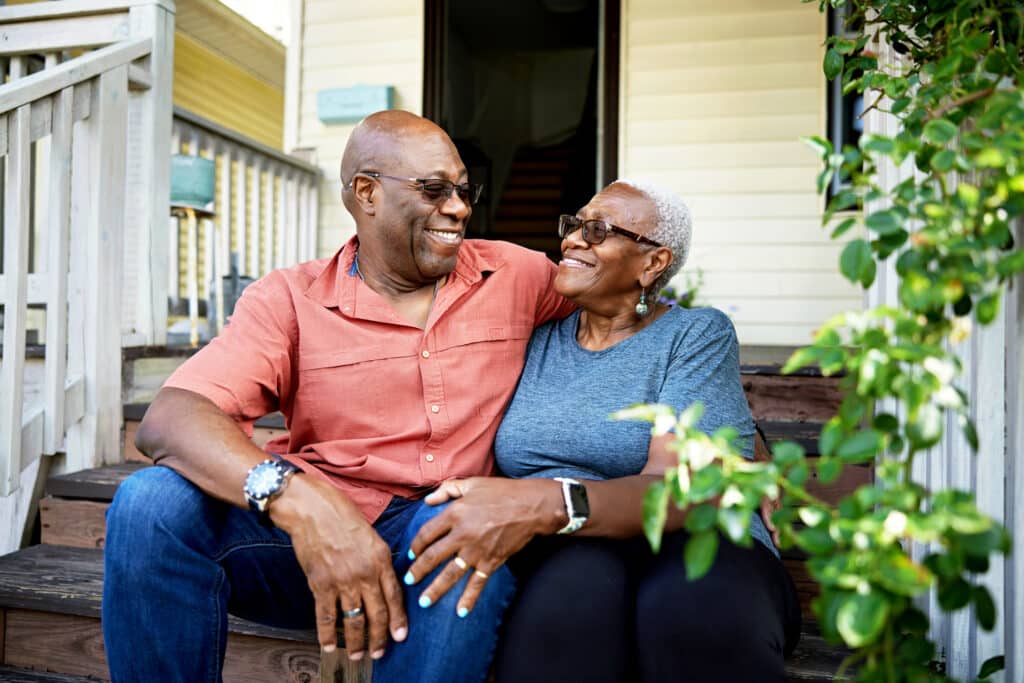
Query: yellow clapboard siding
(724, 129)
(345, 44)
(213, 87)
(715, 96)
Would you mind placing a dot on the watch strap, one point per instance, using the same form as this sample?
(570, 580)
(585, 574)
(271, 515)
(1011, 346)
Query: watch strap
(577, 516)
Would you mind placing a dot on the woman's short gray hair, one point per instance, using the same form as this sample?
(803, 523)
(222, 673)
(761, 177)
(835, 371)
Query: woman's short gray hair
(674, 225)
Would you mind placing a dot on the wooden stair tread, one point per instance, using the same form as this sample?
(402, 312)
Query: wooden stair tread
(99, 483)
(134, 412)
(63, 580)
(10, 674)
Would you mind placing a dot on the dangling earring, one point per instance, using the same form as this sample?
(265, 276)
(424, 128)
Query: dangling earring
(642, 308)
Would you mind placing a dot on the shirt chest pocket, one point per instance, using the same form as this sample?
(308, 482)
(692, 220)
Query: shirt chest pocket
(348, 392)
(486, 357)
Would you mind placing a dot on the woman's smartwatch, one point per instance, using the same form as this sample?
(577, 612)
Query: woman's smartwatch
(577, 508)
(267, 481)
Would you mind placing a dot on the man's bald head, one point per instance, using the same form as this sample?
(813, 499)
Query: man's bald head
(381, 142)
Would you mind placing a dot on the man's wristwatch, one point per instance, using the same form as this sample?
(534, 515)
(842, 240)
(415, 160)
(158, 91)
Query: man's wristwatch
(265, 482)
(577, 508)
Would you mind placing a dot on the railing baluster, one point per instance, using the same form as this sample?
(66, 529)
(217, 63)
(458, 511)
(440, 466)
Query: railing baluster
(241, 174)
(313, 219)
(174, 231)
(282, 207)
(57, 267)
(292, 252)
(268, 226)
(223, 245)
(254, 220)
(17, 199)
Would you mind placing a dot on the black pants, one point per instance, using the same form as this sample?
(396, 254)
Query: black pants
(594, 610)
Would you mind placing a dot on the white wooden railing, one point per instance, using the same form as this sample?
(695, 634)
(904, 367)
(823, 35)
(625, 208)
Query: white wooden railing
(81, 102)
(265, 216)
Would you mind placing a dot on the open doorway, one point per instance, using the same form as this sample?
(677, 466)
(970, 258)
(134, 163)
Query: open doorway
(528, 91)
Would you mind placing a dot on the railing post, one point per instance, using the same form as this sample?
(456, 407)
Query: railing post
(98, 213)
(149, 164)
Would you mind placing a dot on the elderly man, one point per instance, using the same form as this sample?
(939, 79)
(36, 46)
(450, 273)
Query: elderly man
(392, 362)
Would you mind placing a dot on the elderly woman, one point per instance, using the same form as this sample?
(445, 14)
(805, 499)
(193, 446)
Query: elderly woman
(595, 604)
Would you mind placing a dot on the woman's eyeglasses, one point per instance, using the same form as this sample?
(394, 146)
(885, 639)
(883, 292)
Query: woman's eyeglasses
(595, 231)
(435, 190)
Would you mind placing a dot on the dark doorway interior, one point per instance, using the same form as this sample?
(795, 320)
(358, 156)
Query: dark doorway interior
(516, 86)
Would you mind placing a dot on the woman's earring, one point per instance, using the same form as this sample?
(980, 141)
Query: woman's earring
(642, 308)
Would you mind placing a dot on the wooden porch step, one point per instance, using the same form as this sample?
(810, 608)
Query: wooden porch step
(47, 590)
(10, 674)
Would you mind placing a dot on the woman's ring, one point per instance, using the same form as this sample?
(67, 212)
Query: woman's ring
(482, 574)
(352, 613)
(461, 563)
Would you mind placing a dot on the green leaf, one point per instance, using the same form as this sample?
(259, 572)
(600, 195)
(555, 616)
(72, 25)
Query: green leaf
(801, 358)
(1011, 264)
(899, 574)
(856, 262)
(819, 144)
(899, 104)
(939, 131)
(798, 474)
(699, 554)
(833, 64)
(984, 608)
(816, 541)
(987, 308)
(925, 429)
(861, 447)
(954, 595)
(829, 469)
(655, 513)
(830, 437)
(701, 518)
(706, 483)
(992, 665)
(886, 422)
(786, 453)
(883, 222)
(861, 618)
(843, 227)
(734, 522)
(943, 161)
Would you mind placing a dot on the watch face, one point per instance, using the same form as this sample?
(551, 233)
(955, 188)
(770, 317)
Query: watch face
(264, 480)
(580, 503)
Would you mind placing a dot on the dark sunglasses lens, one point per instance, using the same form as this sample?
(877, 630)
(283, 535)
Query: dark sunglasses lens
(566, 226)
(594, 232)
(435, 190)
(469, 192)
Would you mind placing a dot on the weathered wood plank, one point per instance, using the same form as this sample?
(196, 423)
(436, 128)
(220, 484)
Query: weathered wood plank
(45, 83)
(17, 210)
(10, 674)
(73, 523)
(57, 267)
(94, 484)
(29, 37)
(793, 398)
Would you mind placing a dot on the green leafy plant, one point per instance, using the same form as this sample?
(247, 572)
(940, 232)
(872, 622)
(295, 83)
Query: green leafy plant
(954, 92)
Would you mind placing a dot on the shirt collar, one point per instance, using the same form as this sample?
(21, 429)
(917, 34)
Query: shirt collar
(334, 285)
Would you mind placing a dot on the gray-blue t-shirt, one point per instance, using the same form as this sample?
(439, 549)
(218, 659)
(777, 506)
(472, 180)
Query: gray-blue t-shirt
(558, 425)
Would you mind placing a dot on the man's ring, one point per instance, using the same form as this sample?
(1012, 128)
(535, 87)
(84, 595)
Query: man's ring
(482, 574)
(352, 613)
(461, 563)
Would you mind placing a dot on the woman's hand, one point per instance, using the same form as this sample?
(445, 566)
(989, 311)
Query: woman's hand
(488, 520)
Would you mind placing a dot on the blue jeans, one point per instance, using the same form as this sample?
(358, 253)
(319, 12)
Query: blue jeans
(177, 561)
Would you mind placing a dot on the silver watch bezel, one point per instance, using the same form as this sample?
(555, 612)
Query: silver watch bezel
(575, 520)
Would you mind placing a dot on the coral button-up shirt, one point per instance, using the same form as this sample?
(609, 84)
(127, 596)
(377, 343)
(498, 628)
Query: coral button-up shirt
(375, 405)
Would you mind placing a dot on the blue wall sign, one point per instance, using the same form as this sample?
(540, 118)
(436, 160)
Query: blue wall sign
(348, 105)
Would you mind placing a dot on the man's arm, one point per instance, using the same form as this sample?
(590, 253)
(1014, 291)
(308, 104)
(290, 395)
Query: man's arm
(343, 557)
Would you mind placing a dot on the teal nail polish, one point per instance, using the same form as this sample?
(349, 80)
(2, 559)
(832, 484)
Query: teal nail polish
(425, 601)
(462, 612)
(409, 579)
(411, 554)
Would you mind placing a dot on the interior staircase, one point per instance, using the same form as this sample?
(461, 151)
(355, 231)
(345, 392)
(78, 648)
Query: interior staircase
(50, 592)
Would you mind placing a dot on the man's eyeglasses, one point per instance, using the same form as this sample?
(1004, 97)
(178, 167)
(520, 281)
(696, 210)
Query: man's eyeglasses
(435, 190)
(595, 231)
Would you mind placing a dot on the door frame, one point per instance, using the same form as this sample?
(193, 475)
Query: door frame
(609, 45)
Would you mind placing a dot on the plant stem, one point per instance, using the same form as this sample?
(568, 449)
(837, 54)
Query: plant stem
(799, 492)
(966, 99)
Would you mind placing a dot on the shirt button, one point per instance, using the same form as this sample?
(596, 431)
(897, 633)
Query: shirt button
(429, 457)
(435, 408)
(426, 354)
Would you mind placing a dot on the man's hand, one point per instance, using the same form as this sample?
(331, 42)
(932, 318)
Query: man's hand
(345, 561)
(488, 520)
